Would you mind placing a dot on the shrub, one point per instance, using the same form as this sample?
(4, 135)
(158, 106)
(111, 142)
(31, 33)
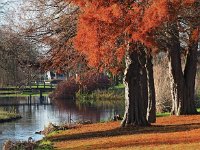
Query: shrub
(66, 89)
(86, 83)
(91, 81)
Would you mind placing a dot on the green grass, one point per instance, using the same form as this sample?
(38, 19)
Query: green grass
(8, 116)
(164, 114)
(100, 95)
(113, 93)
(9, 91)
(119, 86)
(44, 145)
(40, 86)
(34, 94)
(25, 94)
(13, 91)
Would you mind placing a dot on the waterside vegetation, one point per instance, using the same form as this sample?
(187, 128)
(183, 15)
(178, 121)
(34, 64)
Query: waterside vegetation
(112, 94)
(8, 116)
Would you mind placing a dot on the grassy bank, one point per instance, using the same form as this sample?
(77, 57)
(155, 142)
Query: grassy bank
(113, 93)
(25, 94)
(8, 116)
(168, 133)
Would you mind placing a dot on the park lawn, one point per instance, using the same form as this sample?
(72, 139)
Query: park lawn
(25, 94)
(168, 133)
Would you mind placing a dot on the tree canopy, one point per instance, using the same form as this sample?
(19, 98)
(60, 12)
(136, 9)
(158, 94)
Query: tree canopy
(105, 27)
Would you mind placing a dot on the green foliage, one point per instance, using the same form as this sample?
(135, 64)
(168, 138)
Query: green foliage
(25, 94)
(111, 94)
(119, 86)
(8, 116)
(101, 95)
(44, 145)
(198, 110)
(165, 114)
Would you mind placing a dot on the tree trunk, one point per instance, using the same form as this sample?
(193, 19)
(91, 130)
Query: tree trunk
(151, 109)
(182, 84)
(177, 81)
(189, 76)
(143, 77)
(135, 101)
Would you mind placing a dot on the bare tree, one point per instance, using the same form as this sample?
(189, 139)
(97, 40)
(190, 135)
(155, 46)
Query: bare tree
(18, 58)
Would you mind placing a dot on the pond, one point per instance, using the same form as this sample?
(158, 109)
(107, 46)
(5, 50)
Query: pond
(37, 114)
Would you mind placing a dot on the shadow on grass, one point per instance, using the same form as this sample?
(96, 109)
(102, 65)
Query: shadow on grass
(128, 131)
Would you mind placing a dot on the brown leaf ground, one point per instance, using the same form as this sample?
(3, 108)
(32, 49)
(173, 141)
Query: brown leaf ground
(168, 133)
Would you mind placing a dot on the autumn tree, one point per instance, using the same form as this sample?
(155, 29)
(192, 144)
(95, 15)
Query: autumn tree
(186, 27)
(109, 31)
(104, 37)
(179, 38)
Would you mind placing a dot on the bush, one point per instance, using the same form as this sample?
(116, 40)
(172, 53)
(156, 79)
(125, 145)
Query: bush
(86, 83)
(66, 89)
(91, 81)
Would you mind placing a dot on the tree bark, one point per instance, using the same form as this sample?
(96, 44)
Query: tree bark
(151, 109)
(177, 81)
(189, 76)
(136, 90)
(182, 83)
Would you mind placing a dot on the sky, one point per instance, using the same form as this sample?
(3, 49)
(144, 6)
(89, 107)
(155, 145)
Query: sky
(8, 8)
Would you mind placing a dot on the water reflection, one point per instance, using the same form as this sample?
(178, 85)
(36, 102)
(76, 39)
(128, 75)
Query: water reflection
(38, 115)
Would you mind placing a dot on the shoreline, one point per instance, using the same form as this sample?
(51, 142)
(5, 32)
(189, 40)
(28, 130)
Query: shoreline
(111, 135)
(10, 119)
(8, 116)
(169, 132)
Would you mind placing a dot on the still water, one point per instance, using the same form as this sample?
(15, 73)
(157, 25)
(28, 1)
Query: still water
(39, 114)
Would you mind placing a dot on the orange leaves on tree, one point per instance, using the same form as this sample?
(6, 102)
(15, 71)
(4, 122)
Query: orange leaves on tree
(153, 17)
(120, 52)
(116, 11)
(98, 29)
(196, 34)
(102, 22)
(189, 2)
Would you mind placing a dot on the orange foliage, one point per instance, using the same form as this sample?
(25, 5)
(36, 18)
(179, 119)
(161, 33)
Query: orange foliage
(102, 23)
(120, 52)
(98, 29)
(195, 34)
(189, 2)
(168, 130)
(154, 16)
